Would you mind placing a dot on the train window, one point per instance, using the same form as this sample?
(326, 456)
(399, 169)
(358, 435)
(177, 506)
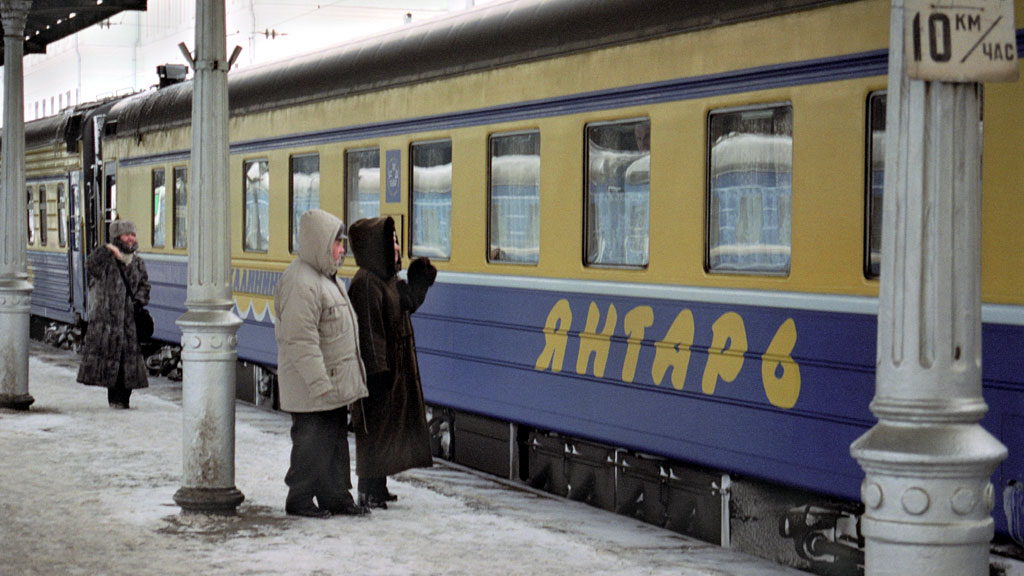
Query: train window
(514, 189)
(875, 180)
(362, 184)
(180, 207)
(31, 217)
(432, 199)
(62, 215)
(305, 191)
(43, 221)
(257, 205)
(159, 208)
(750, 189)
(618, 193)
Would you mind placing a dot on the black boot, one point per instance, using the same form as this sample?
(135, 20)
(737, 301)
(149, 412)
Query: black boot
(309, 512)
(372, 501)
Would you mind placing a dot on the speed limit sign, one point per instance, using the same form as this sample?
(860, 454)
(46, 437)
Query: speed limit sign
(962, 41)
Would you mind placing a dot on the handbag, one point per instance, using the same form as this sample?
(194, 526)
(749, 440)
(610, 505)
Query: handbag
(143, 320)
(143, 324)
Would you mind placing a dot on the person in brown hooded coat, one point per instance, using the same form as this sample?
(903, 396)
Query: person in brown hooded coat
(390, 424)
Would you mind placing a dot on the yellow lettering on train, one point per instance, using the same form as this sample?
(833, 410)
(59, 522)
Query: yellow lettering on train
(556, 337)
(674, 351)
(725, 362)
(636, 322)
(780, 373)
(597, 344)
(784, 389)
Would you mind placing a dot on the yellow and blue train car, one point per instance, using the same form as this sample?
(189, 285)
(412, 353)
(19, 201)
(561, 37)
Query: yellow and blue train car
(657, 226)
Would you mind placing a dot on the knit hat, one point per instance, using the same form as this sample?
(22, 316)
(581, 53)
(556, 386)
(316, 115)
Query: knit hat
(119, 228)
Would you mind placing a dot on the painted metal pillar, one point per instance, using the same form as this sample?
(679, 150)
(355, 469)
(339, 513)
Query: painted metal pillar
(15, 289)
(209, 343)
(927, 462)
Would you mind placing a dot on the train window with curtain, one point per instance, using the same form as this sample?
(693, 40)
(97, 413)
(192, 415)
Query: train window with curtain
(875, 183)
(159, 208)
(304, 194)
(180, 207)
(43, 221)
(750, 190)
(62, 216)
(31, 216)
(256, 215)
(432, 199)
(362, 184)
(618, 192)
(513, 231)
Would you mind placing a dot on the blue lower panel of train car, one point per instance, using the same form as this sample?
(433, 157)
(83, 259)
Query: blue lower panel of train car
(770, 392)
(168, 278)
(51, 285)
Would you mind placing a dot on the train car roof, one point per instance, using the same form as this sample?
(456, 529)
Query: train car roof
(63, 127)
(486, 37)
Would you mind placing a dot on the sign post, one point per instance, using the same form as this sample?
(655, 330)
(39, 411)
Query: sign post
(927, 493)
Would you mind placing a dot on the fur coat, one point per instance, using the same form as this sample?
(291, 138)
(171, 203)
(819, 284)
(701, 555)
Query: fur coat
(110, 338)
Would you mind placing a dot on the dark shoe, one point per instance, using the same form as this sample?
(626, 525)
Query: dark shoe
(118, 406)
(311, 512)
(350, 509)
(389, 497)
(371, 501)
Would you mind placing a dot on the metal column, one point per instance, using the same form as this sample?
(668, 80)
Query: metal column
(209, 343)
(15, 289)
(927, 495)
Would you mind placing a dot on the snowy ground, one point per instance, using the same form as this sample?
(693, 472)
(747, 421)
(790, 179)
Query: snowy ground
(88, 490)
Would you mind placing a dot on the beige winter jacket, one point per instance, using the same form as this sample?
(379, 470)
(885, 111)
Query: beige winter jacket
(318, 361)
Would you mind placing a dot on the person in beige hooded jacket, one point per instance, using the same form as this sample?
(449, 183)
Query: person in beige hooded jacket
(320, 371)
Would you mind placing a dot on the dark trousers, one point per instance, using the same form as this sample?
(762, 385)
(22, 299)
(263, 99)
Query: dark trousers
(376, 487)
(118, 394)
(319, 462)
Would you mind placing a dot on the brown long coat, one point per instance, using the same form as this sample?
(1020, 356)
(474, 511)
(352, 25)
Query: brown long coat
(390, 424)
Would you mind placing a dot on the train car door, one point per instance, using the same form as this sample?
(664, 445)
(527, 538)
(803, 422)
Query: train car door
(76, 245)
(91, 206)
(109, 196)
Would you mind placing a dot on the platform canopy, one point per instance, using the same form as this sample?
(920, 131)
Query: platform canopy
(52, 20)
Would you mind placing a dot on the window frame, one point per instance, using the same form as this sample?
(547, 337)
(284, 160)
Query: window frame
(585, 256)
(292, 224)
(62, 215)
(30, 194)
(346, 191)
(490, 189)
(162, 225)
(408, 249)
(869, 271)
(43, 216)
(708, 187)
(174, 207)
(245, 205)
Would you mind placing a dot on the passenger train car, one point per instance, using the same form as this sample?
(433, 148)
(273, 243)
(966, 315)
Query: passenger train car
(657, 226)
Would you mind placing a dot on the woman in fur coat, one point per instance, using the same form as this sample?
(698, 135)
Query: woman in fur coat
(118, 284)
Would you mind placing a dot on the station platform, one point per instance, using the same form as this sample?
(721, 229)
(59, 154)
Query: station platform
(89, 490)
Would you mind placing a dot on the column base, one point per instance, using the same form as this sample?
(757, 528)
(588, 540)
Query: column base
(222, 501)
(16, 401)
